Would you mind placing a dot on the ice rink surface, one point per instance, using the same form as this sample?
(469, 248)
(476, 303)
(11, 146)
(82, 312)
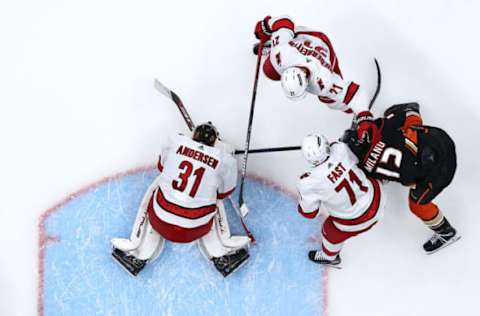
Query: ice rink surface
(79, 277)
(77, 105)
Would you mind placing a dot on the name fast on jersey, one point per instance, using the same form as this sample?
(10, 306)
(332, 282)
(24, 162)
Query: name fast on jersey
(197, 155)
(336, 173)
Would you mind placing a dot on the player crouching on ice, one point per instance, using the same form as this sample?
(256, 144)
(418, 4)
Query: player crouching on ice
(353, 201)
(184, 204)
(304, 61)
(419, 156)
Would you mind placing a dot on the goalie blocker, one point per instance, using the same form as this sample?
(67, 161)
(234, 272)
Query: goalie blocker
(184, 204)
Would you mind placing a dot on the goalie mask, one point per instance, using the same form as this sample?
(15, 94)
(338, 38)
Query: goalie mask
(315, 149)
(205, 133)
(294, 83)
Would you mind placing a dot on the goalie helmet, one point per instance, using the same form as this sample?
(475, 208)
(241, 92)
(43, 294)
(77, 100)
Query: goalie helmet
(294, 83)
(315, 149)
(205, 133)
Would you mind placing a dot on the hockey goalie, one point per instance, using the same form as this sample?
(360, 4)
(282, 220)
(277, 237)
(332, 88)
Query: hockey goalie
(184, 204)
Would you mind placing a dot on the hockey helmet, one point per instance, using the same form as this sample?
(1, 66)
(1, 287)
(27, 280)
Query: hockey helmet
(315, 149)
(294, 83)
(205, 133)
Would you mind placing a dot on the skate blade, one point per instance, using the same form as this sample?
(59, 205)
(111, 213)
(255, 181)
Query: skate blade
(335, 266)
(338, 267)
(448, 243)
(121, 264)
(237, 267)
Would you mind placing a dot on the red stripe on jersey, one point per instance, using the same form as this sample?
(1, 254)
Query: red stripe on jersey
(309, 215)
(269, 70)
(283, 23)
(190, 213)
(351, 91)
(371, 210)
(221, 196)
(333, 56)
(176, 233)
(326, 100)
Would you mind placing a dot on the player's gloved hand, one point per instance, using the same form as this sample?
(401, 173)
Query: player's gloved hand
(267, 46)
(262, 29)
(367, 130)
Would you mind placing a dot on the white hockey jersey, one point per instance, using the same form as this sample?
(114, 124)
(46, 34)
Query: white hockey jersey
(193, 176)
(339, 186)
(313, 51)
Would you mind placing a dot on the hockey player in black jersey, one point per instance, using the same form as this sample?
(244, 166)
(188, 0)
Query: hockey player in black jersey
(419, 156)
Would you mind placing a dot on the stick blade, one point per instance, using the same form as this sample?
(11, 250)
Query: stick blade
(244, 210)
(162, 88)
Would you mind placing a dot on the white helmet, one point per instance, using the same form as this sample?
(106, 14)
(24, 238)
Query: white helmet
(294, 83)
(315, 148)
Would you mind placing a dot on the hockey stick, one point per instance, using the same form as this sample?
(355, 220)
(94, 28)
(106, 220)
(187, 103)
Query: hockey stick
(241, 201)
(268, 150)
(276, 149)
(379, 85)
(375, 95)
(176, 99)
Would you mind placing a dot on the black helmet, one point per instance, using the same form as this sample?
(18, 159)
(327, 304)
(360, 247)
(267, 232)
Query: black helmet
(205, 133)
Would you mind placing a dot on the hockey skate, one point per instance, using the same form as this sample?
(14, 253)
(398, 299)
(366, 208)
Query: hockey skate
(317, 256)
(131, 264)
(231, 262)
(441, 240)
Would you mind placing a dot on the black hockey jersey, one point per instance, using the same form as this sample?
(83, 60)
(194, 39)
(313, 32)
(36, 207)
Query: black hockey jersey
(408, 152)
(393, 158)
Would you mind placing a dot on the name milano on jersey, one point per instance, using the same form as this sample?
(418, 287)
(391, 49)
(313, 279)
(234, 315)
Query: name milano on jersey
(193, 176)
(338, 185)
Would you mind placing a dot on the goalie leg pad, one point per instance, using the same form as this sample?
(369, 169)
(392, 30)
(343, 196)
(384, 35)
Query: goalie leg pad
(219, 241)
(228, 253)
(151, 245)
(139, 225)
(150, 248)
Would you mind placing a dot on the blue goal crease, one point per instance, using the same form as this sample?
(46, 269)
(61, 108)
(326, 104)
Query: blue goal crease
(80, 278)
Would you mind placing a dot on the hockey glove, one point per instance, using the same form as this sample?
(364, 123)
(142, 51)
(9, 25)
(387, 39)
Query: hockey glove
(367, 130)
(262, 29)
(267, 46)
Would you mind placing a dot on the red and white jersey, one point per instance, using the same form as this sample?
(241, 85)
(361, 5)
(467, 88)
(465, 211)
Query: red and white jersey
(311, 50)
(339, 186)
(193, 176)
